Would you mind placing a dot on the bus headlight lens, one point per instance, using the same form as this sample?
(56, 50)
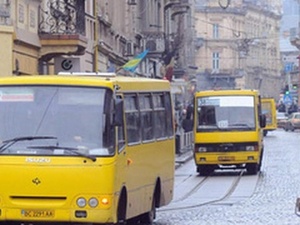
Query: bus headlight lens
(250, 148)
(202, 149)
(93, 202)
(81, 202)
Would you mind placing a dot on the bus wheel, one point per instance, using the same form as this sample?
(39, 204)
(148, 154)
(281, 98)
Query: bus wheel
(252, 168)
(265, 133)
(260, 159)
(121, 213)
(205, 170)
(148, 218)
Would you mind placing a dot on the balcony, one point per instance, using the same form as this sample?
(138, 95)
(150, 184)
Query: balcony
(62, 28)
(5, 14)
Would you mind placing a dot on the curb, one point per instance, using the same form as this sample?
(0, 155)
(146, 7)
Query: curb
(183, 158)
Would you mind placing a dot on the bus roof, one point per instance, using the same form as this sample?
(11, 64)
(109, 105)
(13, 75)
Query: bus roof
(124, 83)
(226, 92)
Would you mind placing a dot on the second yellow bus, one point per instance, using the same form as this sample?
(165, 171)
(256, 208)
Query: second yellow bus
(228, 130)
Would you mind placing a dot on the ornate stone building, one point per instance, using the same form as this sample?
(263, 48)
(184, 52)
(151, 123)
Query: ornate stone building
(96, 35)
(238, 45)
(52, 36)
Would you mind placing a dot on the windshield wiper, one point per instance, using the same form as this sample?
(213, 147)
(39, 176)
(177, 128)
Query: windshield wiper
(241, 126)
(7, 143)
(68, 149)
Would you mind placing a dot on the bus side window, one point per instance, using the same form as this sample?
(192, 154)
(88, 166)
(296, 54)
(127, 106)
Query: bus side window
(160, 117)
(169, 114)
(132, 119)
(147, 124)
(120, 127)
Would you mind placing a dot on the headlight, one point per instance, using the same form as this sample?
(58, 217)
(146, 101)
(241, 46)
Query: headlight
(250, 148)
(202, 149)
(81, 202)
(93, 202)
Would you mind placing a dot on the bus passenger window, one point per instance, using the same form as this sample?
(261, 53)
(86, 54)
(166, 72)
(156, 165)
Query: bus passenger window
(147, 124)
(121, 135)
(160, 117)
(132, 119)
(169, 114)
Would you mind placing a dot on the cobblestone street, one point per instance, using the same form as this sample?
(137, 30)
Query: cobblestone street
(273, 202)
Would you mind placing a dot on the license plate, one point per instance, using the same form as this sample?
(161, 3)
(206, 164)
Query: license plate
(33, 213)
(226, 158)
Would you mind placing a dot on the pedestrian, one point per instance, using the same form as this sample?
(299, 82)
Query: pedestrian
(187, 122)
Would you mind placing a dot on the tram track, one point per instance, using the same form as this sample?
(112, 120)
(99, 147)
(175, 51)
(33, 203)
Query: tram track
(198, 187)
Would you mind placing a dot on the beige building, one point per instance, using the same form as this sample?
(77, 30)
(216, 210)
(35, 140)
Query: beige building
(18, 37)
(52, 36)
(238, 45)
(94, 35)
(35, 33)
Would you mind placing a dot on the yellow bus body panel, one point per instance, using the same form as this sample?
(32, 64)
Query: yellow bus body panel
(54, 185)
(223, 137)
(48, 186)
(269, 109)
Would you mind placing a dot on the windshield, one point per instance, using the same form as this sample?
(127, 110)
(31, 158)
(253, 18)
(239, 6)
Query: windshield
(225, 113)
(51, 120)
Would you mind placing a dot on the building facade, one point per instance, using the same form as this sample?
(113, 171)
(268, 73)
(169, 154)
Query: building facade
(289, 48)
(238, 45)
(48, 37)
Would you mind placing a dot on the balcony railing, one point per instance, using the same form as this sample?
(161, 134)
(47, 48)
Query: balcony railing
(62, 17)
(5, 14)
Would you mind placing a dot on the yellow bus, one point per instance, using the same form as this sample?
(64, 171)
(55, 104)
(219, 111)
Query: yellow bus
(89, 148)
(228, 130)
(269, 109)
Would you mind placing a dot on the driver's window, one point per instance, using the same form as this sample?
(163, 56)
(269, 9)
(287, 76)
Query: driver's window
(121, 135)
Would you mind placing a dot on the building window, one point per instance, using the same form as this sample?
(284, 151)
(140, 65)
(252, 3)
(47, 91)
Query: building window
(215, 30)
(216, 60)
(32, 19)
(132, 119)
(21, 13)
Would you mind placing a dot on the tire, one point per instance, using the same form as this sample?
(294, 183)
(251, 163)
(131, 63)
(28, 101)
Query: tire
(121, 213)
(260, 159)
(205, 170)
(292, 127)
(252, 168)
(265, 133)
(286, 128)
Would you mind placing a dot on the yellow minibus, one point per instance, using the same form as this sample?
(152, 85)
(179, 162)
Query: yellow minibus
(85, 148)
(269, 109)
(228, 130)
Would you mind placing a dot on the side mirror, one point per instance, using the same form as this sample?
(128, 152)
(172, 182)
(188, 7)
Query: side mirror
(262, 120)
(118, 118)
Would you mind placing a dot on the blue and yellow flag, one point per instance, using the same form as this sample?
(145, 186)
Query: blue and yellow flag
(132, 64)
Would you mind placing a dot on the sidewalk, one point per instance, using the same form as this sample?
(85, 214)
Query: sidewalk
(183, 157)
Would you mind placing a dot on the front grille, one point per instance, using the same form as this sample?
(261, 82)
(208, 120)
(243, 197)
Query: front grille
(226, 147)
